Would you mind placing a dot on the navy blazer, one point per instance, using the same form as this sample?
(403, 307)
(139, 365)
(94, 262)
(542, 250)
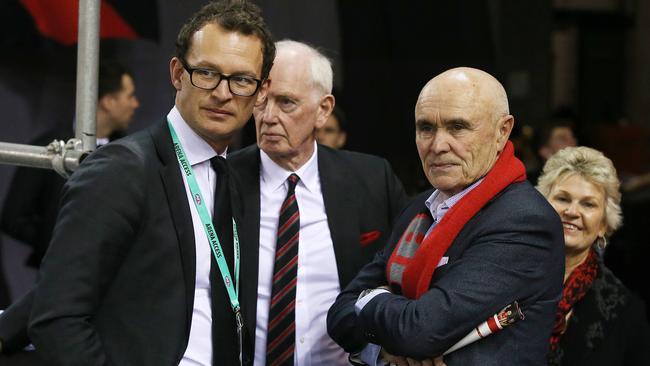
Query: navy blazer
(512, 249)
(362, 198)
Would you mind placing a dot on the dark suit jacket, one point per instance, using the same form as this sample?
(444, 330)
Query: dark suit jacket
(117, 283)
(607, 327)
(513, 249)
(361, 193)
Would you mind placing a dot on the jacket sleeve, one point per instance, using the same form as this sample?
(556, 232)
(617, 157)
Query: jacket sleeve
(99, 218)
(343, 325)
(13, 324)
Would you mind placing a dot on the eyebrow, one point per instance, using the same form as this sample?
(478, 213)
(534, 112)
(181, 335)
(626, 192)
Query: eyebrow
(210, 66)
(461, 121)
(572, 195)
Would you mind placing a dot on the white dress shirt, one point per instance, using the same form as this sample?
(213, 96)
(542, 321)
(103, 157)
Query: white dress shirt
(318, 281)
(198, 153)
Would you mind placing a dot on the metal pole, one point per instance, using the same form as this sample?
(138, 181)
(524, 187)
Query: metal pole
(64, 157)
(25, 155)
(87, 71)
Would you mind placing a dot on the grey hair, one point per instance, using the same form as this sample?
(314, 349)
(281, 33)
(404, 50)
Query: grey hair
(593, 166)
(321, 67)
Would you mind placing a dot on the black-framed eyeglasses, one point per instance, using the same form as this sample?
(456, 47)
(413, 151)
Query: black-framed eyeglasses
(207, 79)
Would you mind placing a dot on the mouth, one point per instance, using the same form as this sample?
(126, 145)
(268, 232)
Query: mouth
(570, 227)
(218, 112)
(271, 136)
(442, 165)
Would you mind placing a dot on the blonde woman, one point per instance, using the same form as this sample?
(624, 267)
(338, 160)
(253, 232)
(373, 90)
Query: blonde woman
(598, 321)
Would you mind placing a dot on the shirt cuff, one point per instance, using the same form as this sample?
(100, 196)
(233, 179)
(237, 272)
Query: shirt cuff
(365, 298)
(370, 355)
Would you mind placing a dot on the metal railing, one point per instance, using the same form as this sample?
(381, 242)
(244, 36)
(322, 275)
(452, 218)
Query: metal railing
(64, 157)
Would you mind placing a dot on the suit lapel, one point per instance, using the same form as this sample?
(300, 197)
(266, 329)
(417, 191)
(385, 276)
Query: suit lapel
(341, 211)
(245, 165)
(180, 212)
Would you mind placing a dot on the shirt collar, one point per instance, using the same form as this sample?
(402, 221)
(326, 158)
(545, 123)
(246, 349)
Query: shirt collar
(439, 203)
(196, 148)
(274, 175)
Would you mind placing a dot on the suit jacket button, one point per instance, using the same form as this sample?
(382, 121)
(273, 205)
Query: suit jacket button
(371, 337)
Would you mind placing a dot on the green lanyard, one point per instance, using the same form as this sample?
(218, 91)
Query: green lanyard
(208, 227)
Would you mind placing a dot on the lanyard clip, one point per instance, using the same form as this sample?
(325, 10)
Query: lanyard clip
(239, 319)
(240, 325)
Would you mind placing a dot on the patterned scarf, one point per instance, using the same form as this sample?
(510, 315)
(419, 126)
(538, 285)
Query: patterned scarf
(412, 263)
(575, 288)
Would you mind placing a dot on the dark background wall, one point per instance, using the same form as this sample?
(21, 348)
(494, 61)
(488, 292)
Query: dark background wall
(383, 53)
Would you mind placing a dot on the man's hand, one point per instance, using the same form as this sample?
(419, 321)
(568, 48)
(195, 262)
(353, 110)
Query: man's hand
(406, 361)
(393, 360)
(438, 361)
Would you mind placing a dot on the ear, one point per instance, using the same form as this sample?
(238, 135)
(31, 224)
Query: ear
(342, 139)
(263, 92)
(175, 72)
(504, 127)
(325, 108)
(106, 102)
(603, 225)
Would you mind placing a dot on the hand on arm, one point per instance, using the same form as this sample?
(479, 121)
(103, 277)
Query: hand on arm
(407, 361)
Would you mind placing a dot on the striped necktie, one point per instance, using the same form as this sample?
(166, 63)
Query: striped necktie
(281, 330)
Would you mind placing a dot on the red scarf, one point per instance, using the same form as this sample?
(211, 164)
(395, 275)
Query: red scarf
(575, 288)
(418, 269)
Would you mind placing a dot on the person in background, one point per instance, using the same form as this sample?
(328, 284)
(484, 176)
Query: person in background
(598, 321)
(333, 133)
(556, 137)
(559, 134)
(32, 202)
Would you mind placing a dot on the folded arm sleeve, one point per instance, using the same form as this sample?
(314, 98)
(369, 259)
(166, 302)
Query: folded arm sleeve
(500, 266)
(13, 324)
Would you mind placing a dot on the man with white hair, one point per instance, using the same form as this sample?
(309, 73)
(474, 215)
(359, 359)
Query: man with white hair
(313, 215)
(479, 240)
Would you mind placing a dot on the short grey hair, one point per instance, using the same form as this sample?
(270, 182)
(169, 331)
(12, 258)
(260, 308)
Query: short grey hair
(321, 67)
(591, 165)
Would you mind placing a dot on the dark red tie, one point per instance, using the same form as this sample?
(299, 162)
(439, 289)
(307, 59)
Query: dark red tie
(281, 333)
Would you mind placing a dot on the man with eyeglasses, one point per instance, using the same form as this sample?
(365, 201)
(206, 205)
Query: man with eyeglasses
(152, 277)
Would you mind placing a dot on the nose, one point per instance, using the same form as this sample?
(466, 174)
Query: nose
(136, 102)
(222, 91)
(266, 112)
(440, 142)
(571, 209)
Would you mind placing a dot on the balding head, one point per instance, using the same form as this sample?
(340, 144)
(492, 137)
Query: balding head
(471, 85)
(462, 125)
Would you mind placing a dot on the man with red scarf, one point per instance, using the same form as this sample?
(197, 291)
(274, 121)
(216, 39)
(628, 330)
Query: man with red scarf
(480, 239)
